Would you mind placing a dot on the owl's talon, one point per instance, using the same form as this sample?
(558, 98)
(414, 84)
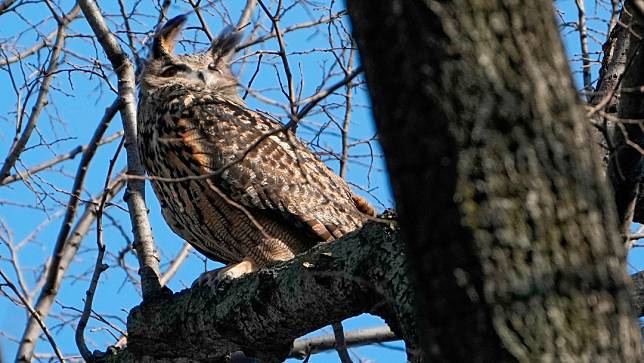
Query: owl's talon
(209, 279)
(214, 278)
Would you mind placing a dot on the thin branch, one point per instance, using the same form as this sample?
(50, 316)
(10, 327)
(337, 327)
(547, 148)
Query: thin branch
(34, 315)
(131, 40)
(19, 144)
(58, 159)
(46, 42)
(204, 23)
(282, 53)
(582, 28)
(346, 123)
(340, 342)
(246, 13)
(176, 263)
(58, 264)
(99, 267)
(316, 98)
(289, 29)
(68, 253)
(302, 347)
(135, 194)
(163, 11)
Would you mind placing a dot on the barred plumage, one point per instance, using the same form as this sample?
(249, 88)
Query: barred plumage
(265, 196)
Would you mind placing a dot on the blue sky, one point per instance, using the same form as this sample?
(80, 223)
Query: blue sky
(79, 103)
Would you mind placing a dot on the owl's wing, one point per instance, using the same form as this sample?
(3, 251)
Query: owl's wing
(267, 169)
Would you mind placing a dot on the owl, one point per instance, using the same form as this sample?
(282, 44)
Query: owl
(237, 185)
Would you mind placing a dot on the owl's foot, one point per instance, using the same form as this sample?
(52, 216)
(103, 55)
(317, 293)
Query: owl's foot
(213, 278)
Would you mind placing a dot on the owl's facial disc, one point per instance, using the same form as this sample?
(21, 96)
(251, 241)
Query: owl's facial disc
(193, 73)
(208, 70)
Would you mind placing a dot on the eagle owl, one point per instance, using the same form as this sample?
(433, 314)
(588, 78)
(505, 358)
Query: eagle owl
(235, 184)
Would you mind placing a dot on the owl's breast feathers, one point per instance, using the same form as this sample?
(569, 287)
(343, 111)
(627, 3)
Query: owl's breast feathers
(254, 164)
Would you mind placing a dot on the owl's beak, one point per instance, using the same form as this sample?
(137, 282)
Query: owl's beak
(204, 77)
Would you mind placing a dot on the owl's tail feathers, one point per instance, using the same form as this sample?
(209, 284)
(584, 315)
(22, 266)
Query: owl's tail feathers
(363, 206)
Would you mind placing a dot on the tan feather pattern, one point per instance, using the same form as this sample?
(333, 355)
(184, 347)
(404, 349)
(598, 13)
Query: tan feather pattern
(273, 201)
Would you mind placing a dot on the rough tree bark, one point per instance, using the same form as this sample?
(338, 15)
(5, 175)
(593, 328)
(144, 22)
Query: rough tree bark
(626, 138)
(262, 313)
(620, 70)
(509, 222)
(506, 211)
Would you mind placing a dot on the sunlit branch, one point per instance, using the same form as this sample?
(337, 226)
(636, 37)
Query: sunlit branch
(20, 143)
(135, 194)
(58, 264)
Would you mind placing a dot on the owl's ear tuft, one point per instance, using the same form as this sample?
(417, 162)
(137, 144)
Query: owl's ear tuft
(224, 45)
(164, 39)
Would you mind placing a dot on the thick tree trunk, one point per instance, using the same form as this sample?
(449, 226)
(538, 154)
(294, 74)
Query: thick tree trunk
(626, 138)
(621, 69)
(509, 222)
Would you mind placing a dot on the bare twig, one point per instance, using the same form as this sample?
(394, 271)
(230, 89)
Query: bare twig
(204, 24)
(58, 159)
(348, 96)
(292, 28)
(34, 315)
(20, 143)
(316, 98)
(131, 40)
(282, 53)
(163, 11)
(45, 42)
(246, 13)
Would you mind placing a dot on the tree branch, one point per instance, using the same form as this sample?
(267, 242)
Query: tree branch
(626, 163)
(58, 264)
(20, 143)
(99, 266)
(67, 254)
(585, 54)
(362, 272)
(34, 315)
(67, 18)
(354, 338)
(58, 159)
(637, 293)
(135, 193)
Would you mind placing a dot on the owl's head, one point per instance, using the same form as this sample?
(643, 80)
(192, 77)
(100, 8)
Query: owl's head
(206, 71)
